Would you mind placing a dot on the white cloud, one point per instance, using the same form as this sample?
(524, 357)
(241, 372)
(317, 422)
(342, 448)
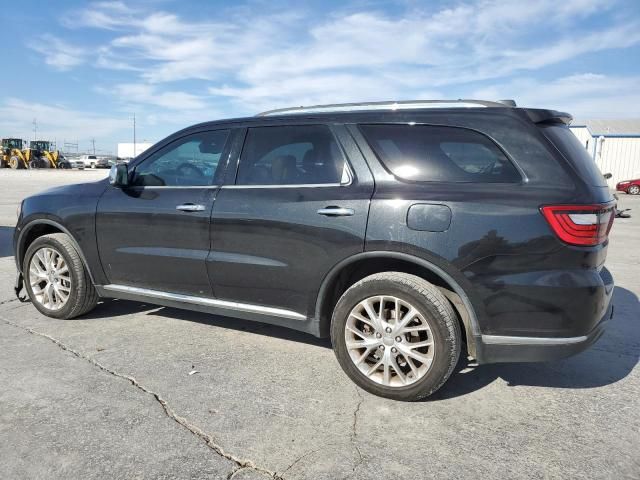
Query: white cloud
(57, 53)
(586, 95)
(56, 121)
(141, 93)
(259, 58)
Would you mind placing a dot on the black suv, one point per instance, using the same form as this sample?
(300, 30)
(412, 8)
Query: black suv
(409, 234)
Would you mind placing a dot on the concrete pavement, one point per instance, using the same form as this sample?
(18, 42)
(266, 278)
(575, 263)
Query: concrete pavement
(109, 395)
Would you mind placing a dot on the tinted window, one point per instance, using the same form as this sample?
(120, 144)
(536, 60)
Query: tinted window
(306, 154)
(439, 154)
(190, 161)
(574, 152)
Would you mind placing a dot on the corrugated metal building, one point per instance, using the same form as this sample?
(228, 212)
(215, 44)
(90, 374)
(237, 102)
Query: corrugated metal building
(613, 144)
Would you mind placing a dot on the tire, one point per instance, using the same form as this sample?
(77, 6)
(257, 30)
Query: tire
(634, 190)
(82, 296)
(434, 313)
(16, 164)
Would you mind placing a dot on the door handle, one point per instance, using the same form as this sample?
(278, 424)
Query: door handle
(336, 212)
(190, 207)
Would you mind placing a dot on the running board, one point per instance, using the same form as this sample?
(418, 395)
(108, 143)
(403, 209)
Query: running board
(179, 298)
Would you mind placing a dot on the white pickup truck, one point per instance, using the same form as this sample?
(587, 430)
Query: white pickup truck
(93, 161)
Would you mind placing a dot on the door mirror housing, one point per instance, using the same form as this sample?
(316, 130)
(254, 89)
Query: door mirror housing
(119, 175)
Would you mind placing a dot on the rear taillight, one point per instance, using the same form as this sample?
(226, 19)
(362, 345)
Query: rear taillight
(580, 224)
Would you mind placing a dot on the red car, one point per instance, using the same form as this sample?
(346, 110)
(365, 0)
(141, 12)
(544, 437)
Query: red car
(629, 186)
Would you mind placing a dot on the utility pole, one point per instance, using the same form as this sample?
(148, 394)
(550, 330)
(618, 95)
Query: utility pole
(93, 142)
(35, 129)
(134, 135)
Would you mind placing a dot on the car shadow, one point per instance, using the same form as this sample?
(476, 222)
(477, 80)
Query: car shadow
(6, 242)
(111, 308)
(610, 360)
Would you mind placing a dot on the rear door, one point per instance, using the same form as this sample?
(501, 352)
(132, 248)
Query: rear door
(296, 209)
(155, 233)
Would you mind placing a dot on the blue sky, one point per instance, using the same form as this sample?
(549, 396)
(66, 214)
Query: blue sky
(83, 68)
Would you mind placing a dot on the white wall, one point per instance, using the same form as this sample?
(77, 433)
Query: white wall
(583, 135)
(125, 150)
(619, 156)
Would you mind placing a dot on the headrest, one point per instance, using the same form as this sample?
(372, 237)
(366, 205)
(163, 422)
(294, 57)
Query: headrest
(283, 168)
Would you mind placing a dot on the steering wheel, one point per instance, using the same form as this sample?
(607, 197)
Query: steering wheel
(188, 170)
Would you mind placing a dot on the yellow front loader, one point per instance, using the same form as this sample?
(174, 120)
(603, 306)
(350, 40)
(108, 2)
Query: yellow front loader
(13, 155)
(43, 157)
(55, 159)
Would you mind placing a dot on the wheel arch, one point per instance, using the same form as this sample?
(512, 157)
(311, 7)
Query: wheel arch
(354, 268)
(44, 226)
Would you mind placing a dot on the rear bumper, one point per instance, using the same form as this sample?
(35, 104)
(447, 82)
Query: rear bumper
(498, 349)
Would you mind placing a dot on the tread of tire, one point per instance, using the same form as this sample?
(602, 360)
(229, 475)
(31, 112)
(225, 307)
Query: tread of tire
(438, 300)
(87, 297)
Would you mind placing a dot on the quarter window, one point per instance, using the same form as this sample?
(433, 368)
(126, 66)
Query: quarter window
(191, 161)
(426, 153)
(290, 155)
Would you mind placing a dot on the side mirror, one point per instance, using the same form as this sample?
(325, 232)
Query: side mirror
(119, 175)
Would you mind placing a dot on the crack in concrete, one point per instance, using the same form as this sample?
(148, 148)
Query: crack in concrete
(300, 458)
(354, 430)
(4, 302)
(169, 412)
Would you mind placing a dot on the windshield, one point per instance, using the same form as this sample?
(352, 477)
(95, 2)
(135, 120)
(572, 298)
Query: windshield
(12, 143)
(39, 145)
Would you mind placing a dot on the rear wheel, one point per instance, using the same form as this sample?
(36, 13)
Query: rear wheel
(396, 336)
(56, 279)
(634, 189)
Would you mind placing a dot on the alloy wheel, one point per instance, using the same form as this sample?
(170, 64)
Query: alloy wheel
(389, 341)
(50, 278)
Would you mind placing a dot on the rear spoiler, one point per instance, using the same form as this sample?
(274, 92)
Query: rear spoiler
(538, 115)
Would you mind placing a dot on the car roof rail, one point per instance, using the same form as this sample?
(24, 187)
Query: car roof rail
(391, 104)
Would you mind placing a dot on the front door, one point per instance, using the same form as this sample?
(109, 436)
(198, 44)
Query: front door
(296, 209)
(155, 233)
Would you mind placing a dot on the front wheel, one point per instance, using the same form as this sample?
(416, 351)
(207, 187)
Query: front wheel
(16, 163)
(396, 336)
(634, 190)
(55, 278)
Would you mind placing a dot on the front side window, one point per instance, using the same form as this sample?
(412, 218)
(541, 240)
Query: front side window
(290, 155)
(190, 161)
(426, 153)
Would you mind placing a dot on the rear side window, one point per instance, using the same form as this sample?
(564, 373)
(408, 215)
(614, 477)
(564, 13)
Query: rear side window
(426, 153)
(575, 153)
(290, 155)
